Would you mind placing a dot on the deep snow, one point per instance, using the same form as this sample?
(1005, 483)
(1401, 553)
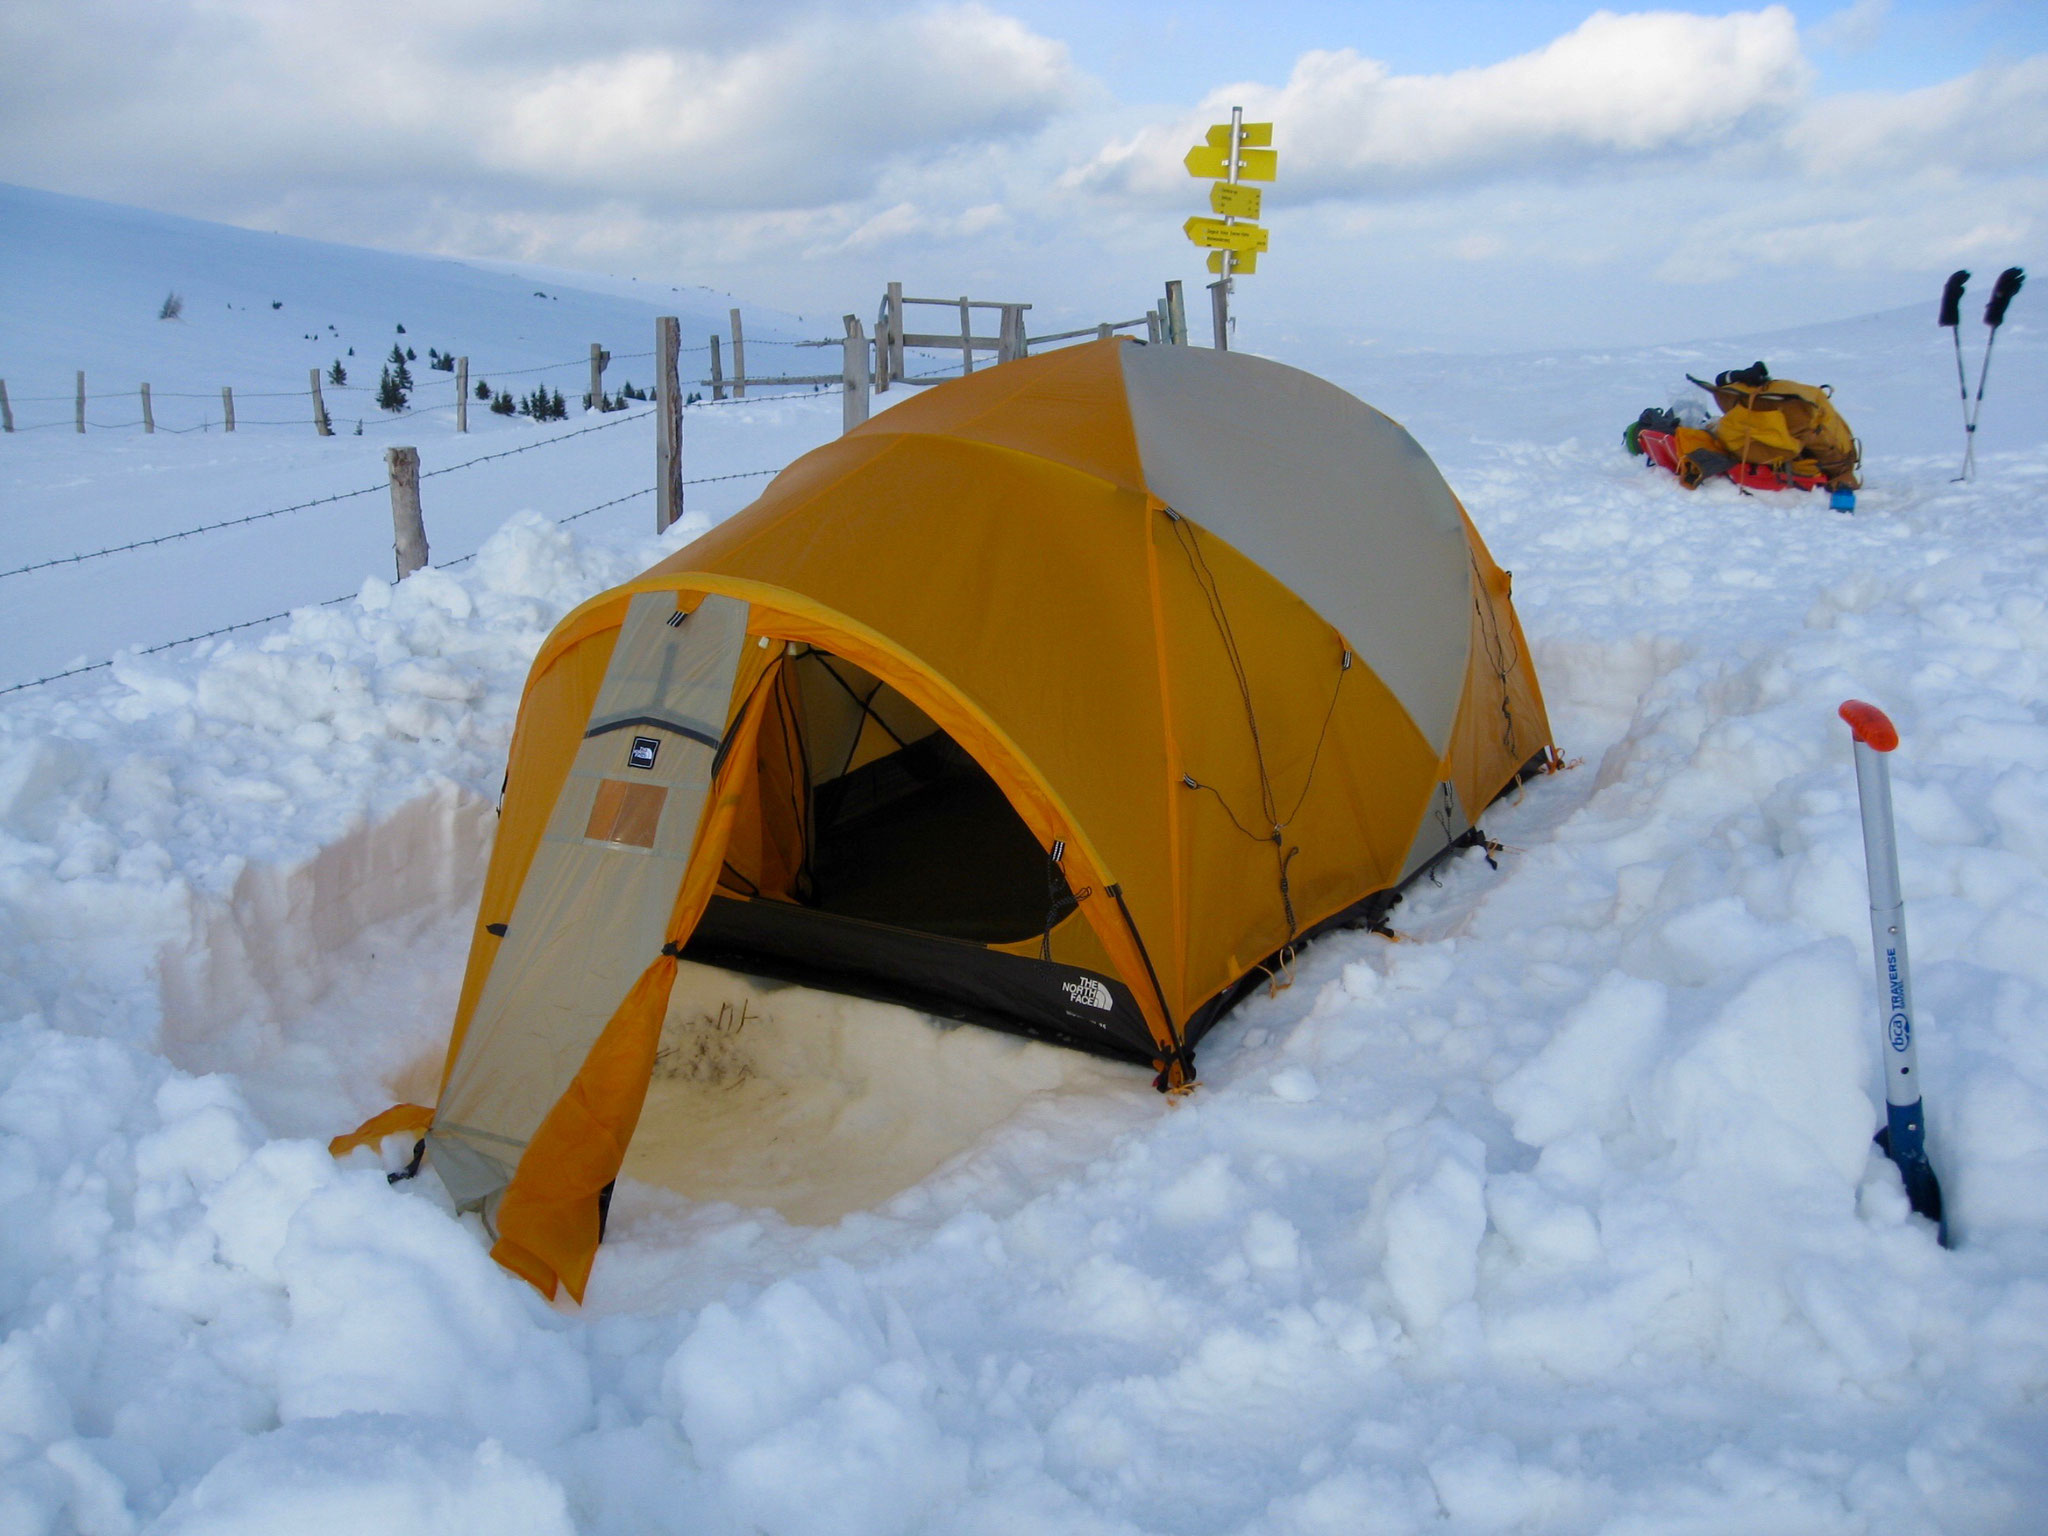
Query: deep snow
(1557, 1215)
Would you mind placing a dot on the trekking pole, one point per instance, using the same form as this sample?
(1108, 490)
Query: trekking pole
(1904, 1136)
(2002, 291)
(1951, 320)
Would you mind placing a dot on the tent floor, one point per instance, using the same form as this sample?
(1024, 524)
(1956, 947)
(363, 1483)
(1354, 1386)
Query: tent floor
(815, 1105)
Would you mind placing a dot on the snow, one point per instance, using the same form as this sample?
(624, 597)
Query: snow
(1559, 1214)
(814, 1105)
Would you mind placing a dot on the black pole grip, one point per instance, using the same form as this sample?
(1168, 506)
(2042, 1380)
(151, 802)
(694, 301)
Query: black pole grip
(1952, 299)
(2008, 284)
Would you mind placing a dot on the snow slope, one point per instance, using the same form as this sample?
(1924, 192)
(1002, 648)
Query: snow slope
(86, 281)
(1558, 1215)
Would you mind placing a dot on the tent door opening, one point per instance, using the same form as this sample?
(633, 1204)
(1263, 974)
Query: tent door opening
(875, 857)
(889, 820)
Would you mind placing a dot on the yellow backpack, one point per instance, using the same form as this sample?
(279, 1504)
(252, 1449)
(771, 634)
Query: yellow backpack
(1787, 425)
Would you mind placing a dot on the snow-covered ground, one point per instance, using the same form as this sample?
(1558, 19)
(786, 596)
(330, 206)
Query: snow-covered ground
(1559, 1215)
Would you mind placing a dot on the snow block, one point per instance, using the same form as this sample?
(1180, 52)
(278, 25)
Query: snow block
(370, 1472)
(1779, 1083)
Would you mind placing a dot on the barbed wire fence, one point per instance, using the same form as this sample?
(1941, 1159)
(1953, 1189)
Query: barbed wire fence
(372, 417)
(667, 407)
(330, 602)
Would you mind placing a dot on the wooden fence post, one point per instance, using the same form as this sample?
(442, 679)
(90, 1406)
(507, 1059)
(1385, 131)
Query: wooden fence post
(896, 365)
(408, 528)
(739, 359)
(320, 421)
(6, 410)
(881, 365)
(668, 425)
(898, 369)
(1104, 331)
(717, 372)
(462, 394)
(78, 412)
(148, 415)
(227, 406)
(966, 337)
(1219, 312)
(1152, 331)
(1012, 334)
(1176, 315)
(855, 363)
(598, 358)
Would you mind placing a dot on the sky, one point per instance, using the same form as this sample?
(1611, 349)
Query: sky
(1467, 174)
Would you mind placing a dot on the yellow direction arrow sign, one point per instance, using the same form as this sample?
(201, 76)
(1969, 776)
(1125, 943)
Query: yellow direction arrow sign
(1242, 263)
(1212, 161)
(1219, 236)
(1248, 135)
(1258, 164)
(1234, 201)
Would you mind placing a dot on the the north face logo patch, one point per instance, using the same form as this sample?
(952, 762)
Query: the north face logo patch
(1089, 993)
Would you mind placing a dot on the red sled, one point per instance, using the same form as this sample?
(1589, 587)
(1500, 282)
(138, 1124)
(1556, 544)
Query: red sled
(1762, 477)
(1663, 452)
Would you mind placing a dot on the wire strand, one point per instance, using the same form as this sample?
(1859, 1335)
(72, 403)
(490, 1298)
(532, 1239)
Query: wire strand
(186, 533)
(228, 629)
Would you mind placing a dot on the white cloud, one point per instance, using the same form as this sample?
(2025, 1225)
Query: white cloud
(906, 221)
(797, 119)
(760, 106)
(1613, 88)
(1641, 174)
(1923, 234)
(1855, 28)
(1992, 119)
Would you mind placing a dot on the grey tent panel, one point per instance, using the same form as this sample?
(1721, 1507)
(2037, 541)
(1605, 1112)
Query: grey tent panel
(1331, 498)
(595, 903)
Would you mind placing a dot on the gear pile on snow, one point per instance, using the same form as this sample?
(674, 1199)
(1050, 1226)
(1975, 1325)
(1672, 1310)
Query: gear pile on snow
(1772, 435)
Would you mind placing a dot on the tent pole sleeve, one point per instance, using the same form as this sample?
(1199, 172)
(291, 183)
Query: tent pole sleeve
(1180, 1067)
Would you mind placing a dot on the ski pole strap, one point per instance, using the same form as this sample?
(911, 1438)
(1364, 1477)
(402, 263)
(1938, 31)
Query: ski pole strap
(2002, 292)
(1952, 300)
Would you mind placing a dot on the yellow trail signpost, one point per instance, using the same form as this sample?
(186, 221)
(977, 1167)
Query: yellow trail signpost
(1220, 235)
(1231, 154)
(1235, 201)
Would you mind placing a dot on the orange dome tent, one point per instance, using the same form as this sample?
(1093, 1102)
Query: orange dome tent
(1066, 698)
